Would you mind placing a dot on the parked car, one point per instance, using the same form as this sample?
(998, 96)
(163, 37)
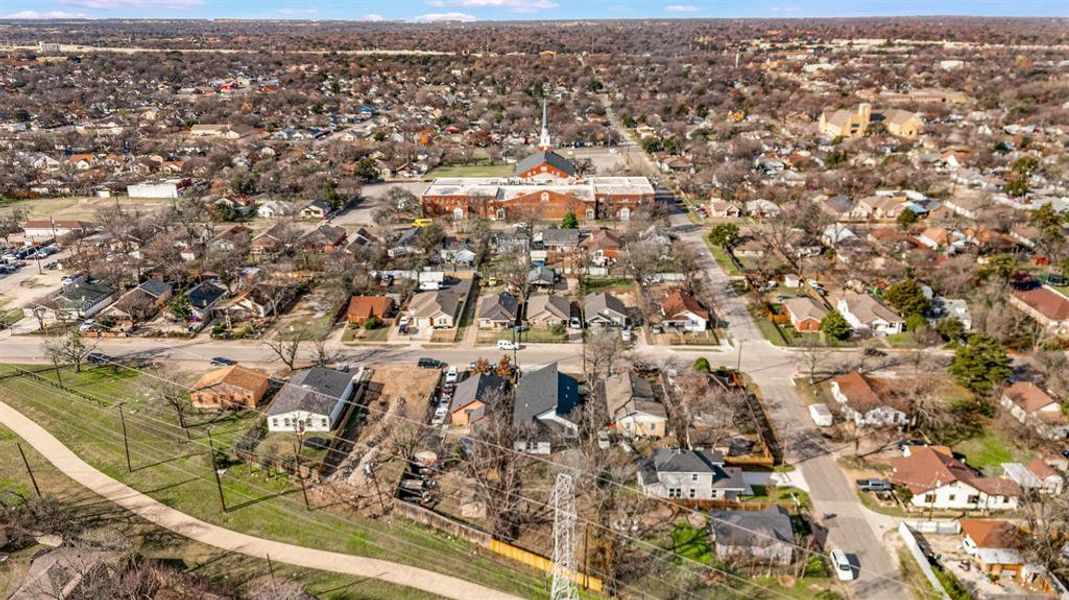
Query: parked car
(440, 414)
(98, 358)
(625, 334)
(873, 485)
(430, 363)
(843, 569)
(873, 352)
(911, 442)
(507, 345)
(220, 361)
(87, 325)
(452, 375)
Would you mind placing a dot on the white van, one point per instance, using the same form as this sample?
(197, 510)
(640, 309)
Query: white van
(507, 345)
(843, 570)
(821, 415)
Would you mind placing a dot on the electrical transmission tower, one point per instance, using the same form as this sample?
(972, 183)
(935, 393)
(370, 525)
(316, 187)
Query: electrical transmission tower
(565, 569)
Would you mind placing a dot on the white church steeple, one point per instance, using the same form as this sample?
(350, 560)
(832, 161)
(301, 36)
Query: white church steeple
(544, 143)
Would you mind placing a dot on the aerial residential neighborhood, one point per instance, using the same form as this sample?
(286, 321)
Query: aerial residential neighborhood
(498, 299)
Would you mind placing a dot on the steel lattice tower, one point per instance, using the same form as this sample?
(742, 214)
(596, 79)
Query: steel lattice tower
(565, 569)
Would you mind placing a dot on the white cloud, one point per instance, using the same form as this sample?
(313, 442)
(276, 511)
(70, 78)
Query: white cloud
(682, 8)
(371, 17)
(293, 12)
(121, 4)
(522, 6)
(444, 17)
(50, 14)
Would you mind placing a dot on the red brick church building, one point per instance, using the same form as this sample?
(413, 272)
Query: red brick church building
(544, 183)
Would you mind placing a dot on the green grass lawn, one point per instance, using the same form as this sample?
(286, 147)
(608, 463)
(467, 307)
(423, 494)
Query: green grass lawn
(531, 336)
(607, 284)
(485, 170)
(178, 473)
(722, 258)
(989, 449)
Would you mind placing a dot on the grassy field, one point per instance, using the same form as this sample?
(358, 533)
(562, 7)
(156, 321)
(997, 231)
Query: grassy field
(228, 568)
(989, 449)
(503, 170)
(607, 284)
(722, 258)
(178, 473)
(73, 207)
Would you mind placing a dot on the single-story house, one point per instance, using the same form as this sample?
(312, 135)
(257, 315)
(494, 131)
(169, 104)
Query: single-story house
(79, 300)
(602, 308)
(139, 304)
(316, 209)
(1033, 406)
(1037, 476)
(765, 536)
(689, 474)
(498, 312)
(313, 400)
(938, 480)
(863, 312)
(229, 387)
(995, 545)
(362, 308)
(680, 309)
(1046, 306)
(546, 310)
(868, 402)
(440, 308)
(805, 313)
(471, 396)
(203, 298)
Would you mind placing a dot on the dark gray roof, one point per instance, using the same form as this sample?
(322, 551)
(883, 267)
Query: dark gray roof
(476, 387)
(317, 390)
(502, 307)
(558, 306)
(205, 294)
(82, 295)
(752, 528)
(548, 157)
(540, 391)
(155, 287)
(320, 204)
(671, 460)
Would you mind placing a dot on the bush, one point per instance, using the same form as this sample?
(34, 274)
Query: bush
(701, 365)
(373, 322)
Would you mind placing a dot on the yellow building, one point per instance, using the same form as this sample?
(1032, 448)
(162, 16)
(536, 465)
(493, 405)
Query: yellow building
(846, 123)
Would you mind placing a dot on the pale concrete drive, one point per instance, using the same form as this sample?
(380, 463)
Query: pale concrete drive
(232, 541)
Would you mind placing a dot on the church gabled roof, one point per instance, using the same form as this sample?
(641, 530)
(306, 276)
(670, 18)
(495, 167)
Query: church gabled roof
(548, 157)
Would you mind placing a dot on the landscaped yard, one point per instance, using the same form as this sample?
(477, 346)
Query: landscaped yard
(178, 473)
(359, 334)
(529, 336)
(607, 284)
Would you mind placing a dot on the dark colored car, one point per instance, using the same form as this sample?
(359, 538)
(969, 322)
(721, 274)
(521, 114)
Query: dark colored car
(874, 485)
(874, 352)
(97, 358)
(220, 361)
(430, 363)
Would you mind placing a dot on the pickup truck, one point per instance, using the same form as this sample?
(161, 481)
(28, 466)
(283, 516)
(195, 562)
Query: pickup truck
(874, 485)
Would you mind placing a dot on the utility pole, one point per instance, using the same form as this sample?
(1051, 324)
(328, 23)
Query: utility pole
(297, 466)
(215, 470)
(26, 462)
(125, 439)
(562, 499)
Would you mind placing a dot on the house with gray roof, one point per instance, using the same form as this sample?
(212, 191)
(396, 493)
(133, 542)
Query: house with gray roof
(313, 400)
(561, 240)
(765, 536)
(498, 312)
(79, 300)
(472, 398)
(545, 410)
(542, 277)
(443, 307)
(690, 475)
(635, 411)
(604, 309)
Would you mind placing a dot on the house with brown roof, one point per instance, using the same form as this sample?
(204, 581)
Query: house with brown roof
(902, 123)
(362, 308)
(868, 402)
(1044, 305)
(229, 387)
(995, 546)
(681, 310)
(938, 480)
(805, 313)
(1034, 406)
(324, 239)
(1037, 476)
(603, 246)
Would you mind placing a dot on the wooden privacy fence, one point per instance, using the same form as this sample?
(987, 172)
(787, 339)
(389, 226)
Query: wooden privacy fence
(464, 531)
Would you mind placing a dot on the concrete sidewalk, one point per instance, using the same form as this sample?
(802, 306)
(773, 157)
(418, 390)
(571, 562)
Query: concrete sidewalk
(66, 461)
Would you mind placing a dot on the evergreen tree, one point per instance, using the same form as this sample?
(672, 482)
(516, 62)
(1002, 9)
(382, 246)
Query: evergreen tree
(834, 325)
(980, 364)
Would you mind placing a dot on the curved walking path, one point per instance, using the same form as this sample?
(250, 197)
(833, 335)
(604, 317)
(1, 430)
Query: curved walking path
(151, 510)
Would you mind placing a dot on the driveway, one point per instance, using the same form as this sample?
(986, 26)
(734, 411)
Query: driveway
(66, 461)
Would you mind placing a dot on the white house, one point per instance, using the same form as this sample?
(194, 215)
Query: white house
(863, 312)
(313, 401)
(691, 475)
(1033, 406)
(273, 209)
(938, 480)
(868, 402)
(633, 407)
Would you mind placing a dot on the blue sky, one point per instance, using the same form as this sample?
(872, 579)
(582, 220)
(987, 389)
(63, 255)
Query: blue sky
(472, 10)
